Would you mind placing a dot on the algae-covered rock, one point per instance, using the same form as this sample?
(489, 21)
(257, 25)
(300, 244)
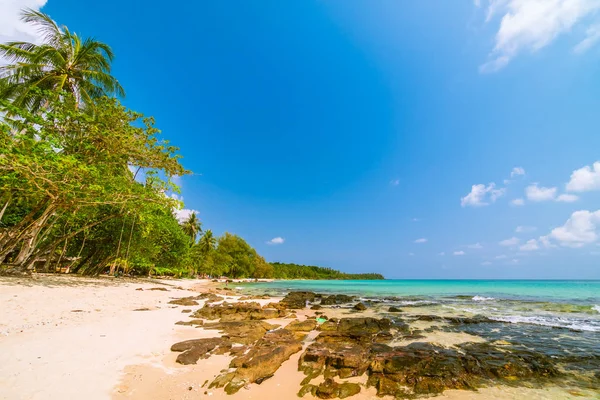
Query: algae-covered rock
(336, 299)
(359, 307)
(193, 350)
(260, 362)
(298, 300)
(244, 332)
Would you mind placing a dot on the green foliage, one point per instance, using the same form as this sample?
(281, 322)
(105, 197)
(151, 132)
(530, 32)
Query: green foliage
(192, 226)
(64, 62)
(295, 271)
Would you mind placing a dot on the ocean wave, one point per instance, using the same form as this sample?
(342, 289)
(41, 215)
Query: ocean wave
(482, 298)
(597, 308)
(554, 322)
(417, 302)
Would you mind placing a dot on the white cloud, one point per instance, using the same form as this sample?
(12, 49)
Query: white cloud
(11, 26)
(276, 240)
(591, 38)
(530, 25)
(459, 253)
(530, 245)
(585, 179)
(517, 171)
(184, 213)
(580, 229)
(567, 198)
(536, 193)
(501, 257)
(475, 246)
(525, 229)
(395, 182)
(482, 195)
(421, 240)
(513, 241)
(518, 202)
(486, 263)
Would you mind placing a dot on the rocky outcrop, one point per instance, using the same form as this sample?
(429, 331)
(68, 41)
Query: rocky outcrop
(356, 346)
(335, 299)
(260, 362)
(245, 332)
(193, 350)
(238, 312)
(330, 389)
(298, 300)
(359, 307)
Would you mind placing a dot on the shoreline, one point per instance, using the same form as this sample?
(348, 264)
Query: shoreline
(100, 338)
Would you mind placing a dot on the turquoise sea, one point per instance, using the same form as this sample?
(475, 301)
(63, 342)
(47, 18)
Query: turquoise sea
(574, 305)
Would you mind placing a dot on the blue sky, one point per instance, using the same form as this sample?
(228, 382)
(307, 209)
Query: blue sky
(352, 129)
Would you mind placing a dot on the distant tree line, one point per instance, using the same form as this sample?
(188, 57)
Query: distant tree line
(295, 271)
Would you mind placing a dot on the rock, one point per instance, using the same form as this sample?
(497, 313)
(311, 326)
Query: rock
(316, 307)
(329, 389)
(394, 309)
(194, 322)
(359, 307)
(142, 309)
(336, 299)
(238, 312)
(304, 326)
(186, 311)
(357, 346)
(298, 300)
(185, 301)
(139, 288)
(260, 362)
(244, 332)
(193, 350)
(162, 289)
(255, 297)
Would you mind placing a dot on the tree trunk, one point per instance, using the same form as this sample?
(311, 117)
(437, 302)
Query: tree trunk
(5, 207)
(28, 262)
(29, 241)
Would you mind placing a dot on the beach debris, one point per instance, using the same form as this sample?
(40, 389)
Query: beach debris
(162, 289)
(142, 309)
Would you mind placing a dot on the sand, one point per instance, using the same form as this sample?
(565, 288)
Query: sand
(78, 338)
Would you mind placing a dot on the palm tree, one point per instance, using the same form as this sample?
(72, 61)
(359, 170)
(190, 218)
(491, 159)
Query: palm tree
(192, 226)
(63, 62)
(207, 242)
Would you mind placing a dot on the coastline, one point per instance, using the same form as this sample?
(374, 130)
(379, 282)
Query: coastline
(67, 337)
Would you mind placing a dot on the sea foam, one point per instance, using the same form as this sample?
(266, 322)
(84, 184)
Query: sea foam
(482, 298)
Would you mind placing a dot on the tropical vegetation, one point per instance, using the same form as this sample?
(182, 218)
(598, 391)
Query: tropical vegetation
(86, 184)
